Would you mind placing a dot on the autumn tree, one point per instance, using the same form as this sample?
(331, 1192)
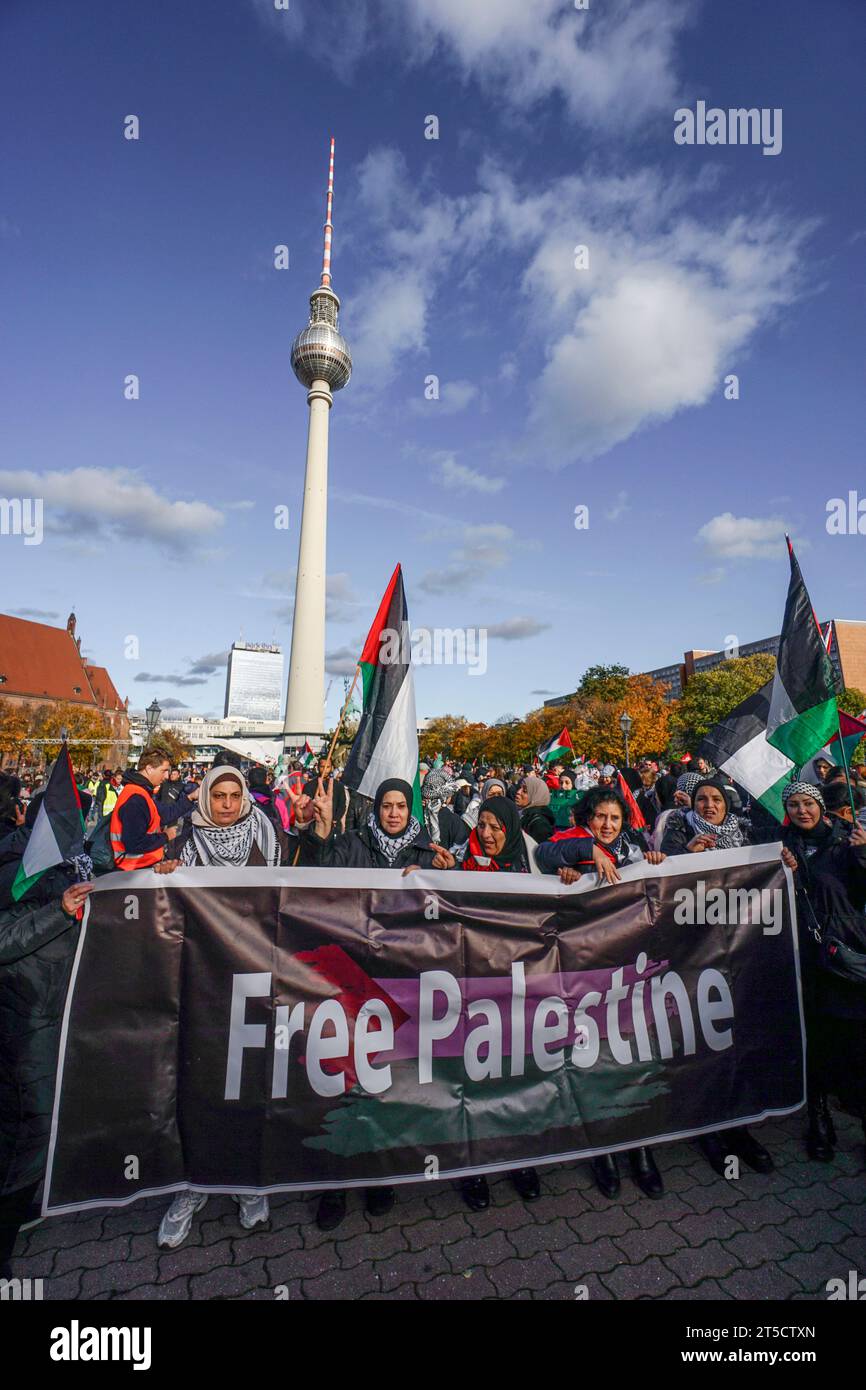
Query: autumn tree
(167, 741)
(88, 733)
(711, 695)
(16, 723)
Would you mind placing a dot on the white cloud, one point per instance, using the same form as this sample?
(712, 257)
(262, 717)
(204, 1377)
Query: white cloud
(113, 502)
(454, 397)
(209, 664)
(713, 576)
(610, 66)
(516, 629)
(744, 537)
(619, 508)
(458, 478)
(676, 291)
(484, 548)
(341, 661)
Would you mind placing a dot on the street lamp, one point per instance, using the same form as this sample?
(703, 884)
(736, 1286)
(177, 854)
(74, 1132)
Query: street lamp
(152, 716)
(625, 724)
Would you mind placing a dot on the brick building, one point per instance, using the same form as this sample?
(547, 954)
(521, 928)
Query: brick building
(42, 665)
(846, 644)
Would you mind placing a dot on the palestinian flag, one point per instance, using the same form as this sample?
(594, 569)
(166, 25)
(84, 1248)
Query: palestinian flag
(638, 820)
(803, 715)
(308, 757)
(386, 744)
(738, 747)
(851, 731)
(58, 831)
(555, 750)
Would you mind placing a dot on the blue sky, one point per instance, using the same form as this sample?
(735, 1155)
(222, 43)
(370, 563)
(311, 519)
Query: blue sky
(455, 257)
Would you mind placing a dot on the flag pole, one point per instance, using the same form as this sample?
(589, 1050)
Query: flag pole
(847, 769)
(346, 704)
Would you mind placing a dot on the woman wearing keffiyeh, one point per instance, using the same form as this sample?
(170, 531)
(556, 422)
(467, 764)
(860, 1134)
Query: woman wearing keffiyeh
(224, 831)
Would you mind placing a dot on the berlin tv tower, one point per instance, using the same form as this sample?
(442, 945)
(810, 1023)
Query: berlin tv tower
(322, 362)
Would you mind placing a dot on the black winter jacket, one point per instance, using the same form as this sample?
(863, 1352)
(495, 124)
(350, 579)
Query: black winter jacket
(679, 834)
(37, 946)
(357, 849)
(539, 822)
(830, 882)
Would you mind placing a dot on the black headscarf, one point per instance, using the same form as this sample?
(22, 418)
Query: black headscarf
(391, 845)
(393, 784)
(513, 853)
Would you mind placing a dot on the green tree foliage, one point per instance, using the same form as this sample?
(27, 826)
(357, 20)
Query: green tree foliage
(711, 695)
(607, 683)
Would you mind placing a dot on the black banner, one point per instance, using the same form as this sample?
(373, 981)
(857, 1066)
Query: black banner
(286, 1029)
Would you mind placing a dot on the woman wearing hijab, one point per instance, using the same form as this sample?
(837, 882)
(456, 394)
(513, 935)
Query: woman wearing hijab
(563, 800)
(602, 841)
(226, 830)
(443, 825)
(827, 856)
(392, 838)
(532, 797)
(682, 801)
(711, 824)
(498, 845)
(490, 786)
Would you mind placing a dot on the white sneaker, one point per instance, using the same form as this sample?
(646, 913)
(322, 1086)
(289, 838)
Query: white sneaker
(175, 1225)
(254, 1208)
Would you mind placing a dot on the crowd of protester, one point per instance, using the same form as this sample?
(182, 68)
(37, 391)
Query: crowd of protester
(569, 821)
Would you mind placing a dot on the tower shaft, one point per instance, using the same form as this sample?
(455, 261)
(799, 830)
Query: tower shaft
(322, 362)
(305, 701)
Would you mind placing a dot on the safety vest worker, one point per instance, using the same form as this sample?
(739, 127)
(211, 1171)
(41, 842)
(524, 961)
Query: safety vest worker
(138, 825)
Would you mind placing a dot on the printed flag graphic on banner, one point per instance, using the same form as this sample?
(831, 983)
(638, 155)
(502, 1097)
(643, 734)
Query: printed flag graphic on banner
(386, 744)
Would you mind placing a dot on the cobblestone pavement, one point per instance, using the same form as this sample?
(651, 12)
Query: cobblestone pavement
(776, 1237)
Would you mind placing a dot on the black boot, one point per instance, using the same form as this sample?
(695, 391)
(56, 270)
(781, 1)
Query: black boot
(606, 1174)
(746, 1147)
(331, 1210)
(378, 1200)
(645, 1173)
(715, 1152)
(526, 1182)
(475, 1193)
(821, 1134)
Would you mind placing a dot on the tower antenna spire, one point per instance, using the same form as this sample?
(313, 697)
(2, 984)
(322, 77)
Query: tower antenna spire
(329, 226)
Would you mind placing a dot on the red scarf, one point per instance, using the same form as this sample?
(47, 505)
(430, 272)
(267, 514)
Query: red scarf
(475, 852)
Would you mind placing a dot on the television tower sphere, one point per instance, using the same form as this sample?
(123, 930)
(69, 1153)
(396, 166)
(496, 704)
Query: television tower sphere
(320, 352)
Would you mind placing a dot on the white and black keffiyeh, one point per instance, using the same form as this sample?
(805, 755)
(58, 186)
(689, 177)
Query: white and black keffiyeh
(391, 845)
(231, 845)
(803, 789)
(728, 835)
(688, 781)
(436, 790)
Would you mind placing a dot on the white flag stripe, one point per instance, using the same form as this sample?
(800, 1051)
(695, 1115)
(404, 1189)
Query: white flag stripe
(782, 710)
(396, 750)
(42, 850)
(757, 766)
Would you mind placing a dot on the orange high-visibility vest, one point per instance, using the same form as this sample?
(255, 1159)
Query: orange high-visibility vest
(122, 859)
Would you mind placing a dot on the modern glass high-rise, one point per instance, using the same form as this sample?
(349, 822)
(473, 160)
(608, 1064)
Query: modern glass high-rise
(254, 681)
